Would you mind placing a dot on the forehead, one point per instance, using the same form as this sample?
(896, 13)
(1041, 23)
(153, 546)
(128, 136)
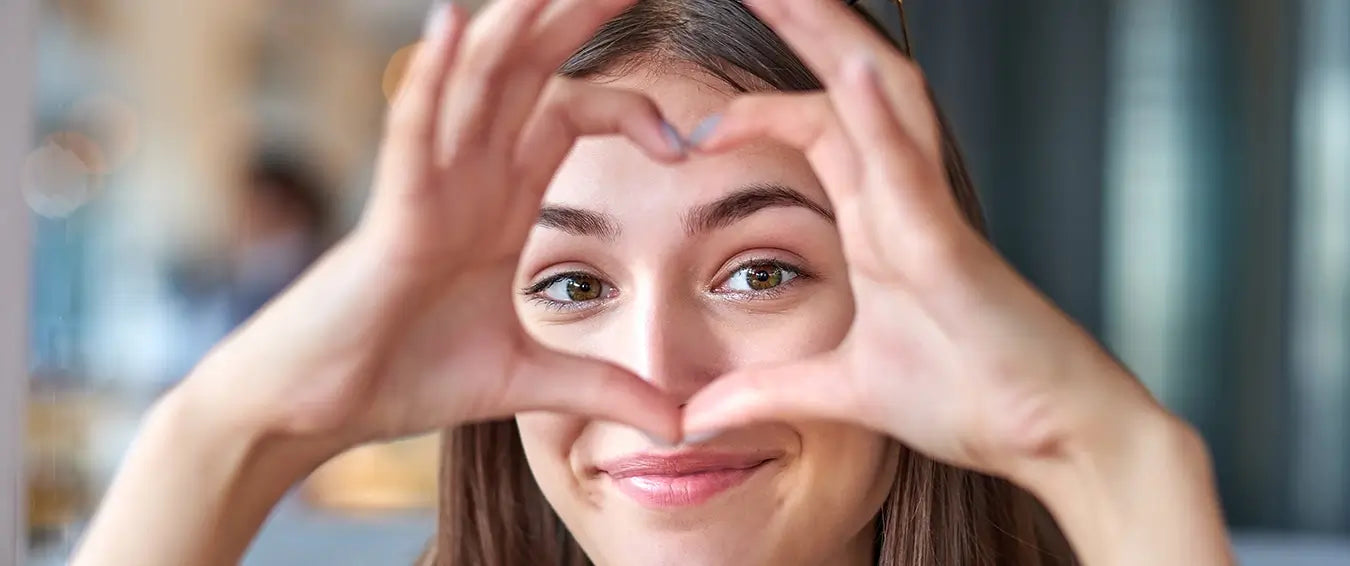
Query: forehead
(612, 175)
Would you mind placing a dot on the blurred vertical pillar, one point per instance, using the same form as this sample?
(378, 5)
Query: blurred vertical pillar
(957, 42)
(189, 68)
(1253, 192)
(17, 20)
(344, 89)
(1157, 274)
(1024, 85)
(319, 89)
(1199, 229)
(1255, 454)
(1050, 125)
(1320, 329)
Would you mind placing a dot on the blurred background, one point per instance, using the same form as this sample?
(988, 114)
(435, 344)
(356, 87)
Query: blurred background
(1174, 173)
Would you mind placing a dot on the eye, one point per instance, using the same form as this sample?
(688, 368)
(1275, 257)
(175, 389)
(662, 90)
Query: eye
(760, 276)
(575, 289)
(569, 290)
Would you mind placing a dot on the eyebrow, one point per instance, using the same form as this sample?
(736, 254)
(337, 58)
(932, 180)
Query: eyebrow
(738, 205)
(703, 218)
(579, 222)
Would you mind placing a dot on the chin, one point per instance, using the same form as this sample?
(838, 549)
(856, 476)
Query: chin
(715, 544)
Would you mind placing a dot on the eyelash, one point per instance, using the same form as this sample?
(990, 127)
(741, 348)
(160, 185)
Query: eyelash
(534, 293)
(767, 294)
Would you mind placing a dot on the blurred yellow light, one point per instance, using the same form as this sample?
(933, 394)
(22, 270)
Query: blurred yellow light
(396, 69)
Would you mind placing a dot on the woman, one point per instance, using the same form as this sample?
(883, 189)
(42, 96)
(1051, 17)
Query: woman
(750, 344)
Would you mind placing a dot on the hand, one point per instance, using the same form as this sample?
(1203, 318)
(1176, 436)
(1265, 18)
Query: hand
(408, 325)
(951, 351)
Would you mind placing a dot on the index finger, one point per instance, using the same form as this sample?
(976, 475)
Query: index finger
(827, 35)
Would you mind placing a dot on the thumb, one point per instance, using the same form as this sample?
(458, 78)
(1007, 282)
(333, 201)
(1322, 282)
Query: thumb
(546, 380)
(814, 388)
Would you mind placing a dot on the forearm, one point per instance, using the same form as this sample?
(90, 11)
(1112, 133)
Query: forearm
(194, 488)
(1143, 494)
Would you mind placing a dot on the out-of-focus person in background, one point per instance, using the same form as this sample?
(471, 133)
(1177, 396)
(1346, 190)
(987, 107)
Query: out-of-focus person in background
(282, 224)
(282, 229)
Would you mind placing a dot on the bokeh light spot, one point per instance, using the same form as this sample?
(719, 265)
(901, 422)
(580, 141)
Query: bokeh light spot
(397, 68)
(56, 181)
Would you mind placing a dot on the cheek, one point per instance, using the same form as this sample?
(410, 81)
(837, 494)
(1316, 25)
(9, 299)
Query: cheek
(844, 475)
(548, 439)
(814, 326)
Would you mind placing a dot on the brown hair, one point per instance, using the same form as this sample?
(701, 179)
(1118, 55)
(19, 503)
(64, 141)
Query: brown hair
(492, 511)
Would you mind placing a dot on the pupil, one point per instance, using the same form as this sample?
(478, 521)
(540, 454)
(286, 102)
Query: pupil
(763, 276)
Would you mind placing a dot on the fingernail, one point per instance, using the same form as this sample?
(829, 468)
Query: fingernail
(673, 138)
(658, 441)
(437, 17)
(702, 437)
(704, 130)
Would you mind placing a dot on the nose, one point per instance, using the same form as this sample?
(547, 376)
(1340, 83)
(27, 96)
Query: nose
(671, 343)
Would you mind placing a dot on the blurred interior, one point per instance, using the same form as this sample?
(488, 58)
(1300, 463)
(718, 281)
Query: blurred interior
(1173, 173)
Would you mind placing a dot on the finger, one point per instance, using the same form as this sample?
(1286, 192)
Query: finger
(571, 109)
(805, 122)
(751, 117)
(826, 34)
(811, 389)
(516, 82)
(499, 32)
(564, 27)
(823, 33)
(550, 381)
(900, 178)
(491, 44)
(415, 111)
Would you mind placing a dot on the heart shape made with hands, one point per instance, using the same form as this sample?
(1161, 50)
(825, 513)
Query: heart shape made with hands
(951, 351)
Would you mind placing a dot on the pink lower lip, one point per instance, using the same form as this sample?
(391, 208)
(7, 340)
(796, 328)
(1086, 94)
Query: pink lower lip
(684, 490)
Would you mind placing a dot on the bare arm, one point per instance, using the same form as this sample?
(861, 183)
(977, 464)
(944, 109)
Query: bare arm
(195, 487)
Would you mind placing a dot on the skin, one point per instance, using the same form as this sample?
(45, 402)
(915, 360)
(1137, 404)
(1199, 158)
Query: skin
(671, 313)
(409, 325)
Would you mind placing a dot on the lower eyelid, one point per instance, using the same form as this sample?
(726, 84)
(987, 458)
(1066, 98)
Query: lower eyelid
(570, 306)
(765, 294)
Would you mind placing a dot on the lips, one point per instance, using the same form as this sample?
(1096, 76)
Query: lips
(682, 479)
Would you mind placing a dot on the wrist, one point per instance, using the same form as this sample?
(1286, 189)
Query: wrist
(1133, 486)
(207, 411)
(1102, 425)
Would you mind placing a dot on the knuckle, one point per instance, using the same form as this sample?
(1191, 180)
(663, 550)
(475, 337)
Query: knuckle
(942, 252)
(750, 105)
(636, 103)
(904, 166)
(482, 61)
(557, 97)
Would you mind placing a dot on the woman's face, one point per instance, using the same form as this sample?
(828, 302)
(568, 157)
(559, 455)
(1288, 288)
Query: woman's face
(680, 274)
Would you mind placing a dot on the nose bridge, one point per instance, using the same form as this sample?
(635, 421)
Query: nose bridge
(677, 350)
